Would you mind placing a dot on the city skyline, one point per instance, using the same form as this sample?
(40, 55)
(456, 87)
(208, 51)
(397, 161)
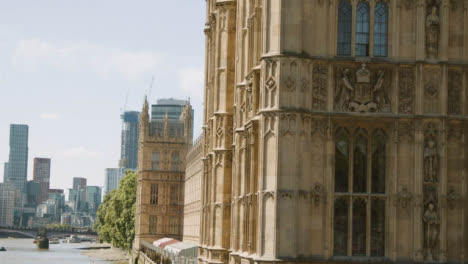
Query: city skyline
(67, 78)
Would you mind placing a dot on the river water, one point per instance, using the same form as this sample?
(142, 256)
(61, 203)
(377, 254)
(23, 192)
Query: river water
(21, 251)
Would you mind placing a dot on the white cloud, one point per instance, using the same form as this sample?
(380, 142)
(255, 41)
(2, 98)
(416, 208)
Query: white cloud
(33, 54)
(49, 116)
(191, 82)
(79, 152)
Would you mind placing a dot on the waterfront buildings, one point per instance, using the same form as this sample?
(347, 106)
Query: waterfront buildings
(112, 179)
(18, 158)
(41, 174)
(129, 140)
(7, 203)
(163, 143)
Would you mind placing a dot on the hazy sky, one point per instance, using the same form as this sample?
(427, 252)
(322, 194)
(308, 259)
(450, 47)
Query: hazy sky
(66, 65)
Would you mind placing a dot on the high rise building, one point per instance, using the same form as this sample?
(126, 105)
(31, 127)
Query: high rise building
(93, 198)
(41, 174)
(77, 198)
(18, 158)
(7, 203)
(79, 183)
(112, 179)
(129, 140)
(34, 192)
(5, 172)
(173, 109)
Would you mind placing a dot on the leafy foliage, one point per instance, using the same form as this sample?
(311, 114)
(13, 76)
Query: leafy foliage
(115, 222)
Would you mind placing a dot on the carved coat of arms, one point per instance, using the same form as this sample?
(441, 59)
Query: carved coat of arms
(362, 92)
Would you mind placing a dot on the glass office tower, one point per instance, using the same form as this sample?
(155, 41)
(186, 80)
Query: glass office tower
(18, 158)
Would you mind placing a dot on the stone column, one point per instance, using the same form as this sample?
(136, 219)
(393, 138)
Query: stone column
(331, 27)
(420, 30)
(443, 90)
(465, 23)
(393, 190)
(443, 191)
(395, 27)
(444, 30)
(328, 184)
(418, 191)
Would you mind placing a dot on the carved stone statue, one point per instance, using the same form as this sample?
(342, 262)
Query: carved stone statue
(344, 94)
(380, 97)
(432, 221)
(431, 162)
(432, 33)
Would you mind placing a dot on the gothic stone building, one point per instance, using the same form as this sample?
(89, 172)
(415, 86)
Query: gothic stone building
(162, 148)
(335, 131)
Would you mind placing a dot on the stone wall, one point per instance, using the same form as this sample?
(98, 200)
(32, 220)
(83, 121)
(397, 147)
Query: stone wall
(192, 187)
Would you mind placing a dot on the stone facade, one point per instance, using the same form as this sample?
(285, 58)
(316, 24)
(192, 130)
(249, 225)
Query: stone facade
(162, 149)
(334, 131)
(192, 196)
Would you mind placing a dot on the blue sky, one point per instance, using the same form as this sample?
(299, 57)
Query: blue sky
(66, 66)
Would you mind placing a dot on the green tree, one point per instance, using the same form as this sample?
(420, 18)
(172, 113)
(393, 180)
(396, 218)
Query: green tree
(115, 222)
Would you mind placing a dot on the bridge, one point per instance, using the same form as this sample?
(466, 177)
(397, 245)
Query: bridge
(51, 233)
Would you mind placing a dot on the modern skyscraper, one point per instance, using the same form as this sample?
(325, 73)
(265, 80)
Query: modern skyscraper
(79, 183)
(42, 176)
(7, 204)
(5, 172)
(173, 109)
(18, 158)
(93, 198)
(34, 192)
(112, 179)
(129, 140)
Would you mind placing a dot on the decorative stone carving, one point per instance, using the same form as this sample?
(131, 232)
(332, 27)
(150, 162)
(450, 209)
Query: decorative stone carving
(432, 82)
(403, 198)
(318, 194)
(456, 4)
(431, 161)
(406, 130)
(270, 84)
(319, 87)
(431, 221)
(453, 198)
(406, 91)
(286, 194)
(367, 94)
(406, 3)
(430, 194)
(432, 32)
(455, 132)
(289, 124)
(454, 92)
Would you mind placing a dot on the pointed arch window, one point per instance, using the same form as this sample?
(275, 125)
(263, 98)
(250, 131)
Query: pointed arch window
(380, 29)
(360, 196)
(344, 28)
(362, 29)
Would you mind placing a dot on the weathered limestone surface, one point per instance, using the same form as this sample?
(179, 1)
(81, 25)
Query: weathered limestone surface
(279, 101)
